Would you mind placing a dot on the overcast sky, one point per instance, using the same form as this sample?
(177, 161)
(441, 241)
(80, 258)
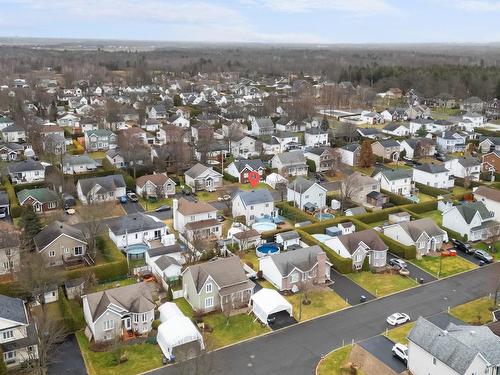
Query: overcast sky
(289, 21)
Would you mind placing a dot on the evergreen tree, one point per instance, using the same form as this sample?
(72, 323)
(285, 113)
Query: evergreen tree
(31, 226)
(177, 100)
(366, 155)
(3, 366)
(325, 125)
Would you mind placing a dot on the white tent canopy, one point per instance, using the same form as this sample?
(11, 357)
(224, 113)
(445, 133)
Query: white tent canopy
(268, 301)
(175, 329)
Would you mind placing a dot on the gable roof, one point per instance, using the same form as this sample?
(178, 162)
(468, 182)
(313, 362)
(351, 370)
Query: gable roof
(388, 143)
(255, 196)
(415, 228)
(53, 231)
(13, 309)
(164, 261)
(42, 195)
(198, 169)
(489, 193)
(291, 158)
(133, 223)
(301, 185)
(304, 259)
(24, 166)
(254, 164)
(158, 179)
(469, 209)
(107, 183)
(187, 207)
(369, 237)
(431, 168)
(394, 174)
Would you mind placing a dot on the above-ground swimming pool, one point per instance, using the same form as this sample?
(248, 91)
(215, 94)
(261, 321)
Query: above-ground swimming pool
(264, 226)
(136, 251)
(267, 249)
(324, 216)
(322, 237)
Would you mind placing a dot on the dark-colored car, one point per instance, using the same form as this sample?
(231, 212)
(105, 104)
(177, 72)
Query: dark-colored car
(123, 199)
(396, 262)
(465, 247)
(319, 177)
(483, 255)
(440, 157)
(186, 191)
(163, 208)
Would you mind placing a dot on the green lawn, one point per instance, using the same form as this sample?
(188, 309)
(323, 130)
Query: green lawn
(400, 334)
(114, 284)
(185, 307)
(474, 312)
(240, 327)
(377, 223)
(140, 358)
(151, 206)
(425, 198)
(381, 284)
(333, 362)
(450, 265)
(260, 185)
(207, 196)
(434, 215)
(266, 284)
(97, 154)
(323, 301)
(251, 257)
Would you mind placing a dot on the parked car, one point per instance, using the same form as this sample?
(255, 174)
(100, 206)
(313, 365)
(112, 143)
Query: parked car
(123, 199)
(449, 253)
(397, 319)
(70, 211)
(400, 351)
(483, 255)
(465, 247)
(220, 218)
(396, 262)
(319, 177)
(225, 197)
(133, 197)
(186, 191)
(3, 212)
(165, 207)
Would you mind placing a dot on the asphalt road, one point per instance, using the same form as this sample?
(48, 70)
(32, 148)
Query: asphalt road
(381, 347)
(348, 289)
(296, 350)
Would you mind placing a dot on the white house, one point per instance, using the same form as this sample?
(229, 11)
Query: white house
(243, 146)
(415, 125)
(456, 350)
(490, 197)
(288, 240)
(477, 119)
(74, 164)
(193, 217)
(315, 137)
(418, 147)
(262, 126)
(253, 204)
(489, 144)
(449, 141)
(26, 171)
(464, 167)
(397, 181)
(101, 189)
(396, 129)
(291, 163)
(434, 175)
(14, 134)
(472, 219)
(306, 194)
(155, 185)
(201, 177)
(350, 153)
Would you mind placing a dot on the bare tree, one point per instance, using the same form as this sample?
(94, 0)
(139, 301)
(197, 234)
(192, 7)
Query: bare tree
(349, 187)
(9, 247)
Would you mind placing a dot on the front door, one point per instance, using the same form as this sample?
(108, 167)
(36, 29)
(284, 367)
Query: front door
(209, 183)
(127, 324)
(157, 234)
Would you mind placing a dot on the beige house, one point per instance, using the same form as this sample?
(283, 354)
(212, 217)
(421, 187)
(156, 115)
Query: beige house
(61, 244)
(155, 185)
(388, 149)
(217, 285)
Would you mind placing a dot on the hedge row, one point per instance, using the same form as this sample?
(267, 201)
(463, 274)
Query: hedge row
(15, 209)
(423, 207)
(293, 213)
(459, 181)
(229, 178)
(320, 227)
(342, 265)
(70, 319)
(396, 199)
(373, 217)
(395, 247)
(429, 190)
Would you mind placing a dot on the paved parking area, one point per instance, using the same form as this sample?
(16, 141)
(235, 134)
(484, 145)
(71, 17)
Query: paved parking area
(380, 347)
(67, 359)
(415, 272)
(471, 258)
(283, 319)
(348, 289)
(132, 207)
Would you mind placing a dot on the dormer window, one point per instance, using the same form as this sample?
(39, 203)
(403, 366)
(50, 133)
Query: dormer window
(208, 288)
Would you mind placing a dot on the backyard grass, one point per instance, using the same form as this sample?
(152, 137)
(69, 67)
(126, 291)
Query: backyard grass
(459, 190)
(333, 362)
(184, 306)
(97, 154)
(266, 284)
(114, 284)
(207, 196)
(434, 215)
(425, 198)
(140, 358)
(151, 206)
(450, 265)
(251, 257)
(400, 334)
(239, 327)
(323, 301)
(260, 185)
(381, 284)
(474, 312)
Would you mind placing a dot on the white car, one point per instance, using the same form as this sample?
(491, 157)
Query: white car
(397, 319)
(401, 351)
(225, 197)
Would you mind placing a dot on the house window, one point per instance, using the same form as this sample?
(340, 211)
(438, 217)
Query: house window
(251, 208)
(359, 257)
(109, 325)
(136, 318)
(9, 357)
(136, 236)
(8, 334)
(294, 278)
(78, 250)
(209, 302)
(52, 205)
(144, 317)
(208, 288)
(52, 253)
(66, 250)
(433, 360)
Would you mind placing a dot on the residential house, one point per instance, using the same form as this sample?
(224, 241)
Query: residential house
(74, 164)
(472, 219)
(175, 251)
(358, 246)
(253, 204)
(306, 194)
(26, 171)
(364, 185)
(424, 234)
(5, 121)
(491, 162)
(180, 121)
(350, 154)
(41, 199)
(61, 244)
(289, 240)
(262, 126)
(292, 270)
(287, 141)
(291, 163)
(195, 220)
(4, 203)
(243, 146)
(202, 130)
(476, 119)
(440, 126)
(157, 112)
(316, 137)
(10, 252)
(139, 228)
(418, 147)
(489, 144)
(241, 168)
(490, 197)
(456, 350)
(100, 139)
(387, 149)
(19, 338)
(13, 134)
(396, 129)
(101, 189)
(417, 124)
(472, 104)
(11, 151)
(200, 177)
(115, 157)
(246, 239)
(397, 181)
(465, 167)
(325, 159)
(217, 285)
(166, 269)
(119, 312)
(449, 141)
(370, 133)
(435, 175)
(155, 185)
(371, 118)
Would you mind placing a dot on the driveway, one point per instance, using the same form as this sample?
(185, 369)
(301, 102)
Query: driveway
(67, 359)
(348, 289)
(331, 186)
(380, 347)
(416, 273)
(132, 207)
(283, 319)
(471, 258)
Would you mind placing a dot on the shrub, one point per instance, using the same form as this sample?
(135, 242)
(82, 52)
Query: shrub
(429, 190)
(229, 178)
(395, 247)
(70, 320)
(395, 199)
(156, 323)
(293, 213)
(423, 207)
(311, 164)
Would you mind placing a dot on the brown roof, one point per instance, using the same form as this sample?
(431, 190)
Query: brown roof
(489, 193)
(247, 234)
(369, 237)
(192, 208)
(51, 129)
(202, 224)
(158, 179)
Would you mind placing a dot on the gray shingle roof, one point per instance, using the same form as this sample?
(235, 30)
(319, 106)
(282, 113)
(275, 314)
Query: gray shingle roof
(369, 237)
(351, 147)
(389, 143)
(54, 230)
(165, 261)
(301, 184)
(25, 165)
(431, 168)
(415, 228)
(469, 209)
(395, 174)
(292, 158)
(467, 162)
(196, 170)
(290, 235)
(107, 183)
(78, 160)
(133, 223)
(303, 259)
(12, 309)
(255, 196)
(252, 164)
